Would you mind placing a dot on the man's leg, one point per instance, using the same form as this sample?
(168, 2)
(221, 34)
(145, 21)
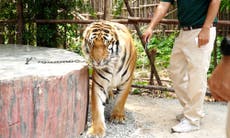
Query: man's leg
(178, 70)
(198, 60)
(198, 65)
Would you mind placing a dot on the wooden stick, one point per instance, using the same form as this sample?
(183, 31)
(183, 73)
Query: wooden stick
(161, 88)
(153, 68)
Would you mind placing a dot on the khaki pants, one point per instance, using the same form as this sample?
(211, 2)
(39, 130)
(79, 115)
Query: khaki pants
(188, 68)
(228, 122)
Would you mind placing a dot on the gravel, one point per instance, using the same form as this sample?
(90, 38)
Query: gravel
(116, 130)
(148, 117)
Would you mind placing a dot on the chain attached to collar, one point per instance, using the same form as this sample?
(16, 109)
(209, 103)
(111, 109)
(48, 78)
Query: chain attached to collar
(51, 61)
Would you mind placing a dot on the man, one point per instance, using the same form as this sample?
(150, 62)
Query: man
(190, 56)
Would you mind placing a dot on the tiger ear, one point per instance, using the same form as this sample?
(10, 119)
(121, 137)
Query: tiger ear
(85, 43)
(84, 46)
(86, 33)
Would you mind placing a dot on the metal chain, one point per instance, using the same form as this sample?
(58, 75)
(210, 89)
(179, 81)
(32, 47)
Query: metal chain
(51, 62)
(58, 61)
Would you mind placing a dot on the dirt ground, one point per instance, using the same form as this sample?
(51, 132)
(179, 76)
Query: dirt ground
(155, 117)
(149, 117)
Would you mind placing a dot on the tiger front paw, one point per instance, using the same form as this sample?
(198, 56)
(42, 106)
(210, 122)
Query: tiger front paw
(96, 132)
(117, 117)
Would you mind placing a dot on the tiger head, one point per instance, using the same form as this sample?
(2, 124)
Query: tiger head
(100, 44)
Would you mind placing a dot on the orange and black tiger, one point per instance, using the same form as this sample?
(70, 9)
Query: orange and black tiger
(109, 48)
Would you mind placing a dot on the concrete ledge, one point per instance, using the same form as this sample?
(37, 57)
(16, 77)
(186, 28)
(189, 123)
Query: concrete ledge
(42, 100)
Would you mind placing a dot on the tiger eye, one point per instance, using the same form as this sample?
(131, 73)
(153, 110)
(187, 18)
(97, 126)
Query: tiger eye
(95, 30)
(104, 37)
(106, 31)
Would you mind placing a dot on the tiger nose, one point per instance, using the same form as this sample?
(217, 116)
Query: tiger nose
(98, 62)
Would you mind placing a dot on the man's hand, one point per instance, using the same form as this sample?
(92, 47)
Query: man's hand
(203, 36)
(147, 35)
(160, 12)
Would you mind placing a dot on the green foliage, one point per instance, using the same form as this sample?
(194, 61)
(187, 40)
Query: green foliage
(225, 5)
(212, 66)
(118, 7)
(162, 43)
(218, 43)
(49, 34)
(85, 7)
(75, 45)
(136, 91)
(8, 10)
(142, 59)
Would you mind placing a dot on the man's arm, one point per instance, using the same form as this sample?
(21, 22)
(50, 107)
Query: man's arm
(203, 37)
(159, 13)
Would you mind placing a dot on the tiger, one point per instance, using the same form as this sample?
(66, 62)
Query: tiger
(109, 48)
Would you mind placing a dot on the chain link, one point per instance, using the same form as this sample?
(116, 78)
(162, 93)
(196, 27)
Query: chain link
(52, 62)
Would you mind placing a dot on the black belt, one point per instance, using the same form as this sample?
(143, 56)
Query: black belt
(187, 28)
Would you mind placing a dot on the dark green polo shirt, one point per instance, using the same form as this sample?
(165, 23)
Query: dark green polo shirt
(191, 12)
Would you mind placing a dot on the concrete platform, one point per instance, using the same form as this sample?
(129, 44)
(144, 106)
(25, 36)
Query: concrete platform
(47, 97)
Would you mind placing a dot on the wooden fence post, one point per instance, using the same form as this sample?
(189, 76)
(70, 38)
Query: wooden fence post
(19, 22)
(153, 68)
(107, 9)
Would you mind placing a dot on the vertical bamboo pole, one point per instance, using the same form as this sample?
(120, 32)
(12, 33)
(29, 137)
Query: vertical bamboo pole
(153, 68)
(139, 9)
(19, 22)
(107, 9)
